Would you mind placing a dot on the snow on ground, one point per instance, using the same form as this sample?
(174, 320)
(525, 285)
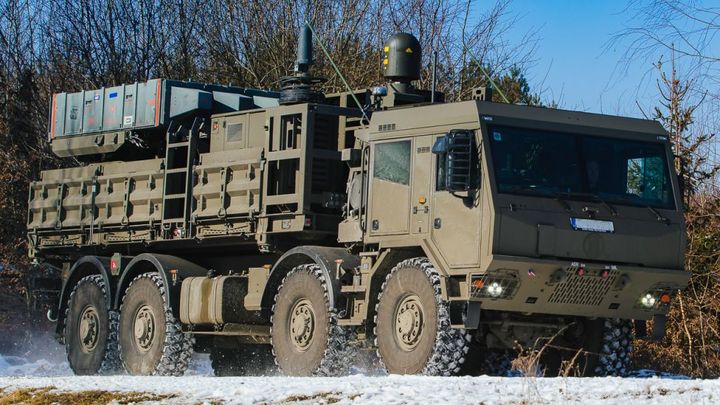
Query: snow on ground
(198, 385)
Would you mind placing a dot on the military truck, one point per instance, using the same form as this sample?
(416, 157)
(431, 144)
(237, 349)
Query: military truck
(297, 227)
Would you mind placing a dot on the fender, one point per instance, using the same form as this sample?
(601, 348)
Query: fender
(323, 256)
(85, 266)
(149, 262)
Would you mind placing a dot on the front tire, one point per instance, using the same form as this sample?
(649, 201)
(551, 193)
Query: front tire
(151, 340)
(412, 325)
(90, 333)
(305, 337)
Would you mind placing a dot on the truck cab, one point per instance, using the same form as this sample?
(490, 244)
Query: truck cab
(569, 212)
(530, 216)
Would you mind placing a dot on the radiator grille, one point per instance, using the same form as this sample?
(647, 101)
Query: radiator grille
(583, 290)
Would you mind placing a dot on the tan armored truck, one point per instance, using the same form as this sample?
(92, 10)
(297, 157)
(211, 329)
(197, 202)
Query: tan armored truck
(297, 227)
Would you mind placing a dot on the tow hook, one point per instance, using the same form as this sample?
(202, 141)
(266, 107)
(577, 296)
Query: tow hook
(52, 315)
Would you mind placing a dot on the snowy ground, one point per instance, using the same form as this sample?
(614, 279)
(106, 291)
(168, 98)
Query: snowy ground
(199, 386)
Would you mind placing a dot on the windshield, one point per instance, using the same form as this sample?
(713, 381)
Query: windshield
(569, 165)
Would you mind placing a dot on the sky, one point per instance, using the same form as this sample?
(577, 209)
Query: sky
(573, 63)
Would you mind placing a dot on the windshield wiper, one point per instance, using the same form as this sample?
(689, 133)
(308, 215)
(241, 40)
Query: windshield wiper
(637, 202)
(658, 216)
(592, 196)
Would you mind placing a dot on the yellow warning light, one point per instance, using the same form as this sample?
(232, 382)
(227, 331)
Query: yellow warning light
(408, 50)
(422, 200)
(386, 49)
(385, 62)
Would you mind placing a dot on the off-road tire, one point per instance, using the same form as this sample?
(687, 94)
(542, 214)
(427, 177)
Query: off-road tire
(614, 354)
(102, 356)
(245, 360)
(438, 349)
(324, 347)
(166, 350)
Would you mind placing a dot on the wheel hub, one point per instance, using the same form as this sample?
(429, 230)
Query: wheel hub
(89, 326)
(409, 322)
(144, 327)
(302, 324)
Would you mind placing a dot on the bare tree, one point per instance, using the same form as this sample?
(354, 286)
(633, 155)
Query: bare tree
(690, 30)
(48, 46)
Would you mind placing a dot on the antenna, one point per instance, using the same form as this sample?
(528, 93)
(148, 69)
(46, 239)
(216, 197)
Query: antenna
(434, 77)
(337, 71)
(300, 87)
(472, 56)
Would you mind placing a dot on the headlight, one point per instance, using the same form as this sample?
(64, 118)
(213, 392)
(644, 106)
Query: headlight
(656, 298)
(499, 284)
(494, 289)
(648, 301)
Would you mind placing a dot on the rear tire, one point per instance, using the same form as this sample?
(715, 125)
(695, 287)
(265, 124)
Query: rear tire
(90, 333)
(614, 353)
(595, 348)
(412, 325)
(151, 340)
(306, 339)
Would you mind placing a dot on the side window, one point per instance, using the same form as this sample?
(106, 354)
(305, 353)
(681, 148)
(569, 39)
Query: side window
(645, 177)
(392, 162)
(457, 163)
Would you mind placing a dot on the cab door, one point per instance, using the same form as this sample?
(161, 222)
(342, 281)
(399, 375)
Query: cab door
(390, 187)
(456, 219)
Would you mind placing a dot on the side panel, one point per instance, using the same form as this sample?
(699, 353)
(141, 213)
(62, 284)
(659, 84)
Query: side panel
(93, 110)
(422, 175)
(456, 229)
(73, 113)
(113, 108)
(146, 113)
(91, 200)
(228, 184)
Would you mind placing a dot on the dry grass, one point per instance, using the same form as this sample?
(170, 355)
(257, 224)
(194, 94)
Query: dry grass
(319, 398)
(50, 395)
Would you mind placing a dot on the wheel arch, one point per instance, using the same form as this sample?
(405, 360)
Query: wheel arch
(163, 265)
(83, 267)
(323, 256)
(386, 261)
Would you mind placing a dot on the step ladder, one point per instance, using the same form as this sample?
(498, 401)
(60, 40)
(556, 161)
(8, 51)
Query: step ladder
(180, 153)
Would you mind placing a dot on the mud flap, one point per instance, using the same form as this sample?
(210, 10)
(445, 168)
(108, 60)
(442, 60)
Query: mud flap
(658, 329)
(472, 315)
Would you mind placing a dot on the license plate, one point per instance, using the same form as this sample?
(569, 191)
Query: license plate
(592, 225)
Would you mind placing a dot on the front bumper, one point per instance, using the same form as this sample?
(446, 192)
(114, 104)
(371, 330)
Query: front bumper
(570, 288)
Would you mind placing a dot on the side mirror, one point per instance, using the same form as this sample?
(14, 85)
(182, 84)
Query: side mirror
(458, 163)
